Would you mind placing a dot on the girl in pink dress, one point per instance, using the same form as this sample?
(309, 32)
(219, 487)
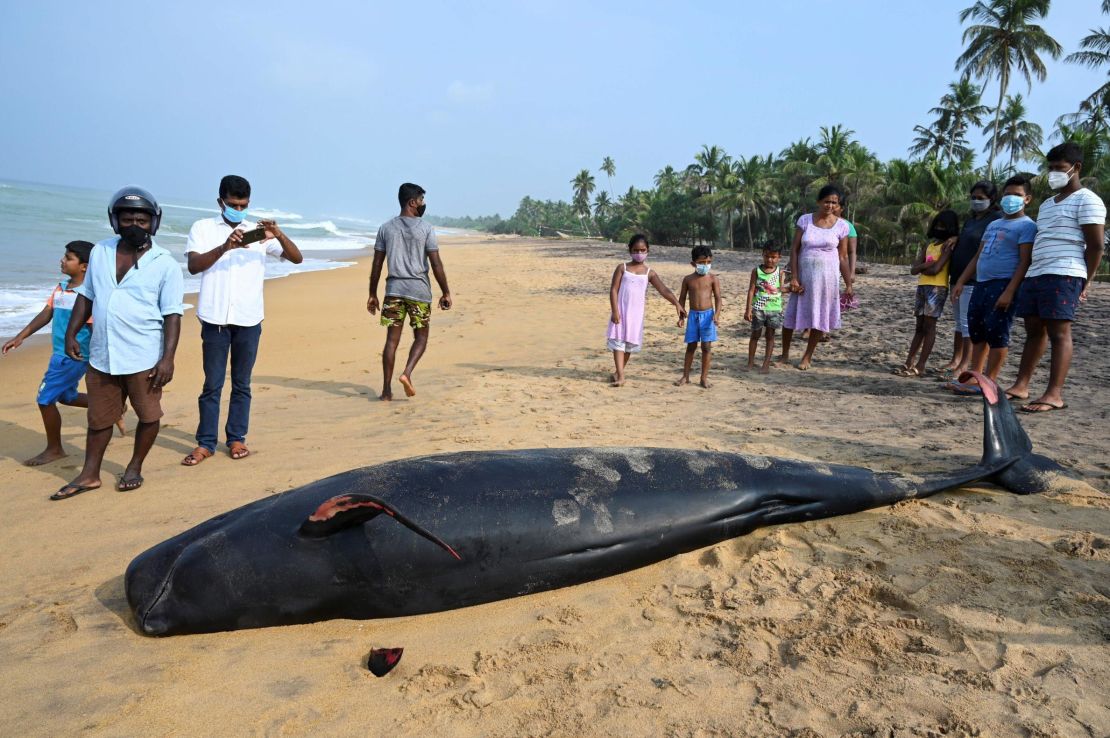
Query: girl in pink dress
(627, 298)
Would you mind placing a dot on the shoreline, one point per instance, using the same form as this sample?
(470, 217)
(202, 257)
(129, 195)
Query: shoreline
(974, 610)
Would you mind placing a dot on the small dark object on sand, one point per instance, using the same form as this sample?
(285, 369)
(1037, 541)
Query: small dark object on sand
(382, 660)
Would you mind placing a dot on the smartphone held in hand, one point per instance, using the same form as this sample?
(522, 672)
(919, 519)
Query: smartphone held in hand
(253, 235)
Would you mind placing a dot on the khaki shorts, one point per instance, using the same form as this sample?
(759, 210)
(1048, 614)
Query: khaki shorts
(108, 391)
(394, 310)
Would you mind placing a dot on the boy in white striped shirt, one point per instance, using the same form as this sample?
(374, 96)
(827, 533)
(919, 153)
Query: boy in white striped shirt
(1066, 255)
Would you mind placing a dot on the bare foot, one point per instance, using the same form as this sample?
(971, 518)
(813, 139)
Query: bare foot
(765, 369)
(783, 359)
(747, 367)
(45, 457)
(410, 391)
(617, 383)
(803, 365)
(704, 383)
(681, 381)
(385, 396)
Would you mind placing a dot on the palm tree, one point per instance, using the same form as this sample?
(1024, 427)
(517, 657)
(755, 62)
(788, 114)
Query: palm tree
(583, 187)
(930, 142)
(610, 170)
(1015, 134)
(833, 152)
(712, 163)
(1095, 53)
(960, 108)
(751, 196)
(602, 206)
(1003, 40)
(666, 178)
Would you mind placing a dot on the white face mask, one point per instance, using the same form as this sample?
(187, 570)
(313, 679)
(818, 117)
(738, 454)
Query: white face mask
(1056, 180)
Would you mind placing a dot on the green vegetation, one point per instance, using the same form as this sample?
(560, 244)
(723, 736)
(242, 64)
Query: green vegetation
(743, 201)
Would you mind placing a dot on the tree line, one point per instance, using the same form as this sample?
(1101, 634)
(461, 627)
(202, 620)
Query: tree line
(744, 201)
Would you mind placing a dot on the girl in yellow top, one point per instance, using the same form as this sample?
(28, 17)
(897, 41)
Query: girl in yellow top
(932, 289)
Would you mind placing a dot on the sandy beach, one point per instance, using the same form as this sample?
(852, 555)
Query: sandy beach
(974, 613)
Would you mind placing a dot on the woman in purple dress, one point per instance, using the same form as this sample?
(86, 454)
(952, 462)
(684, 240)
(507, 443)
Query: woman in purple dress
(819, 253)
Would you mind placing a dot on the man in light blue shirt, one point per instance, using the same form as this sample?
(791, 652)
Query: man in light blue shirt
(133, 289)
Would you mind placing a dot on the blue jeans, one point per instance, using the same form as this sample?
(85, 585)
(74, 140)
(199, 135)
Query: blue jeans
(241, 342)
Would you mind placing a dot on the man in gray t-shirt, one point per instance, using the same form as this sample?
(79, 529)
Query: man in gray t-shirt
(406, 245)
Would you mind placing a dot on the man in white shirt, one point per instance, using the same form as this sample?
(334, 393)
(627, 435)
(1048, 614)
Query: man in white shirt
(229, 307)
(1066, 254)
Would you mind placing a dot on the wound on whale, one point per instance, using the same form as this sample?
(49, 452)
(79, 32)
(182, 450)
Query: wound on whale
(440, 532)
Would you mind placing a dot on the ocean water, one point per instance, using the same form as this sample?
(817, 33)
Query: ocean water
(37, 221)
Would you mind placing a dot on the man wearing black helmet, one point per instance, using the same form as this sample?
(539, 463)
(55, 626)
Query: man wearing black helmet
(133, 290)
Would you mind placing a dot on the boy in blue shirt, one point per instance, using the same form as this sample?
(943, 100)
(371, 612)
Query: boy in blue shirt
(63, 374)
(998, 268)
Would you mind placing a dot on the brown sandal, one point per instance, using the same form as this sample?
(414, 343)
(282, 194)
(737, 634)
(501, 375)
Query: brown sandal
(197, 455)
(238, 450)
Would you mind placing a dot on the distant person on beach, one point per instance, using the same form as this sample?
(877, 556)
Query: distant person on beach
(764, 305)
(819, 252)
(230, 310)
(1070, 232)
(931, 268)
(627, 301)
(704, 291)
(406, 244)
(984, 211)
(997, 270)
(63, 374)
(853, 237)
(133, 290)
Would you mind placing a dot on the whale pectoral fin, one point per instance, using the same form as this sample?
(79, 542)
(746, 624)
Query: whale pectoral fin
(344, 511)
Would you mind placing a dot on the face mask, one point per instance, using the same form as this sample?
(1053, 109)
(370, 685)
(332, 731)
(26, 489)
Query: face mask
(134, 236)
(234, 216)
(639, 258)
(702, 269)
(420, 211)
(1056, 180)
(1012, 204)
(978, 206)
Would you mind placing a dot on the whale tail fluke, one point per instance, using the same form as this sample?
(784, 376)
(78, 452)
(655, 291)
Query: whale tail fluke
(1006, 444)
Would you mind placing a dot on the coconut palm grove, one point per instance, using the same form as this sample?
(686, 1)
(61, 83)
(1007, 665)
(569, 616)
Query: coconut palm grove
(743, 201)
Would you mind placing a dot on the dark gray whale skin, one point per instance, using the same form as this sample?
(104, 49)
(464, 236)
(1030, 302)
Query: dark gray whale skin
(520, 522)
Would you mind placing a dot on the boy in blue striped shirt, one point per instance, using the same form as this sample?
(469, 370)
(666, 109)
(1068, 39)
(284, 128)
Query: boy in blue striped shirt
(63, 374)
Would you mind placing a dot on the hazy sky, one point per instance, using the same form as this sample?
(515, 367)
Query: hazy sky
(327, 106)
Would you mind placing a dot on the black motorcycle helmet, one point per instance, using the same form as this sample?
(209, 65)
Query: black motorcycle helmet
(134, 198)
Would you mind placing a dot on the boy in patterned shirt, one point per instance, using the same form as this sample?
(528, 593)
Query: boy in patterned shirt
(764, 307)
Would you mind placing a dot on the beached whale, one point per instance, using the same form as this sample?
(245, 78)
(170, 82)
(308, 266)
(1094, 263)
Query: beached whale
(447, 531)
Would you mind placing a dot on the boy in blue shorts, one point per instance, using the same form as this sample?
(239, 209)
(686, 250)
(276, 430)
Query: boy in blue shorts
(63, 374)
(704, 290)
(997, 270)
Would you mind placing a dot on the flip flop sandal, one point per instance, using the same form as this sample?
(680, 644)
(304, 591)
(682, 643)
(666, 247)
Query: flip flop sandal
(128, 485)
(196, 456)
(1048, 405)
(77, 489)
(906, 371)
(238, 450)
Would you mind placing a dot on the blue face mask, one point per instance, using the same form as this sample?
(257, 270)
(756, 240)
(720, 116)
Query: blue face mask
(702, 269)
(233, 215)
(1012, 204)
